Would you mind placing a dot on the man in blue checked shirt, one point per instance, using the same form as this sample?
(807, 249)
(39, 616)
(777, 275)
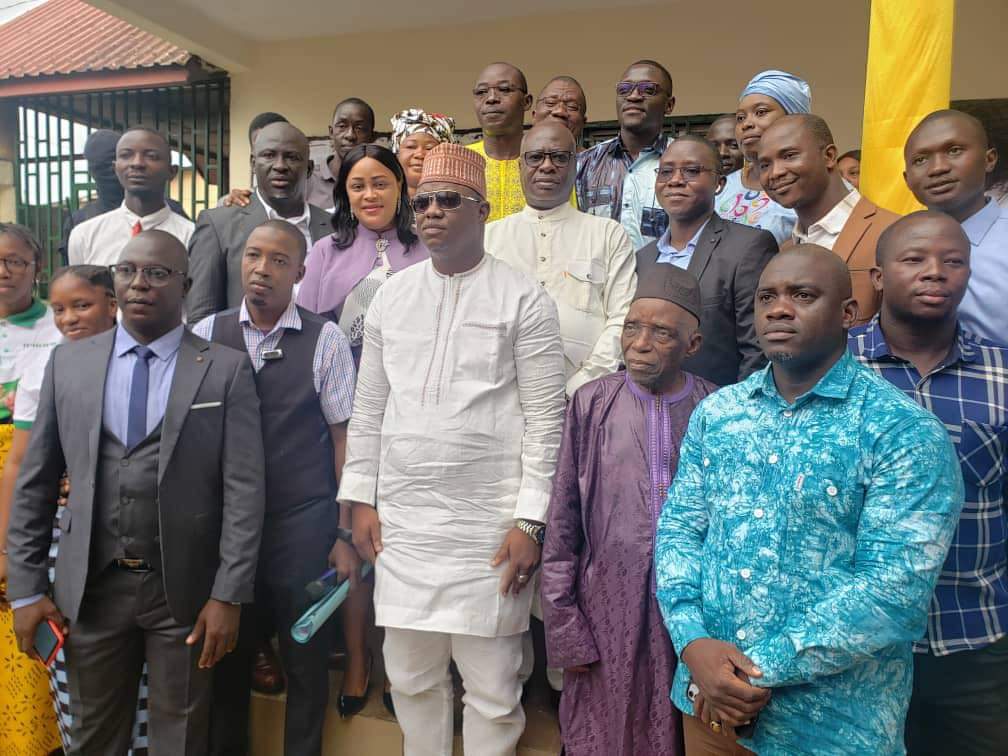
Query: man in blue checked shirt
(960, 691)
(802, 537)
(304, 376)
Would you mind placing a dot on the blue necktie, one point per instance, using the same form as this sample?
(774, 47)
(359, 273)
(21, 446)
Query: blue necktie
(136, 428)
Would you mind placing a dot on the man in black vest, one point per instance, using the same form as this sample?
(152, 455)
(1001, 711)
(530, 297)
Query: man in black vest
(305, 378)
(159, 433)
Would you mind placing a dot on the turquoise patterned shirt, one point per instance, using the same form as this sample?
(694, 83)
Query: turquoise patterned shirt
(811, 535)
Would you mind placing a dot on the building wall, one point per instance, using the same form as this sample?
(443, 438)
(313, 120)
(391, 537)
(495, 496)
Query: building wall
(711, 50)
(8, 150)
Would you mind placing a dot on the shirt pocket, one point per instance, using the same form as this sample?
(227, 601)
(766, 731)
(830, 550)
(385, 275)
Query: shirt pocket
(584, 281)
(982, 453)
(822, 526)
(599, 201)
(484, 349)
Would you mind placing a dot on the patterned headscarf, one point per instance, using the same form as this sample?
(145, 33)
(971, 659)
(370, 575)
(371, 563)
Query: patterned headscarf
(793, 94)
(416, 121)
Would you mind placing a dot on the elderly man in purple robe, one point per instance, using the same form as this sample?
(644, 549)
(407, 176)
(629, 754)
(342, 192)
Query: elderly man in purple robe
(618, 456)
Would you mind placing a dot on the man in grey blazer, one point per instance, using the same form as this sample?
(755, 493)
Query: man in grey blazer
(726, 258)
(159, 432)
(280, 164)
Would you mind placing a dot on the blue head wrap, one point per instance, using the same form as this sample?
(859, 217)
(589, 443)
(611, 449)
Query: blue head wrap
(792, 93)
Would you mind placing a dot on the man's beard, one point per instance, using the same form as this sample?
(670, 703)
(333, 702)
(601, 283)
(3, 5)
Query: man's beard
(781, 357)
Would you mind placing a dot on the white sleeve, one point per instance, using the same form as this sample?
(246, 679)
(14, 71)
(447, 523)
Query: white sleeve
(26, 398)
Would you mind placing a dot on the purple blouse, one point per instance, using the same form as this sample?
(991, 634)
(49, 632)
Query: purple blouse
(331, 273)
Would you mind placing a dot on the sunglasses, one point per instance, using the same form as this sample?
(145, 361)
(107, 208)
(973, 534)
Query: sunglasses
(559, 158)
(446, 199)
(644, 88)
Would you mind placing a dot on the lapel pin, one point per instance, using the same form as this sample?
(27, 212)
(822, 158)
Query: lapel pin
(199, 358)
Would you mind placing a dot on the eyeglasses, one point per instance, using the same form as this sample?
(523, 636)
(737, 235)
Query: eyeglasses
(690, 173)
(571, 106)
(447, 199)
(644, 88)
(16, 264)
(659, 334)
(155, 275)
(559, 158)
(503, 90)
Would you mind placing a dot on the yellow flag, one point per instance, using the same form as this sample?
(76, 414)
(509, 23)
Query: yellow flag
(909, 75)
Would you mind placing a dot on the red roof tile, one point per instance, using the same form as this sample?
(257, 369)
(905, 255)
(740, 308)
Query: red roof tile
(70, 36)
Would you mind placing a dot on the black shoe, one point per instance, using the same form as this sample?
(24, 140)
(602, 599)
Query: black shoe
(387, 700)
(348, 706)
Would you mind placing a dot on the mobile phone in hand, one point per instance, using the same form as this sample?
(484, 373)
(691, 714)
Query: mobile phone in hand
(48, 641)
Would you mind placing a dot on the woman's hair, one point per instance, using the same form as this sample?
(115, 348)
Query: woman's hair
(96, 275)
(343, 222)
(24, 235)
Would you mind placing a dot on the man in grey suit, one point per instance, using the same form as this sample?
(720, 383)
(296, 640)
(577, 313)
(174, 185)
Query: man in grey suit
(159, 432)
(280, 164)
(726, 258)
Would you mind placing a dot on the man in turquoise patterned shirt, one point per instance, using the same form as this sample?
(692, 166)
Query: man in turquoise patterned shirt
(803, 535)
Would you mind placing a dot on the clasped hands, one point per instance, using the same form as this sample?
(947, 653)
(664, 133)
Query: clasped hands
(723, 674)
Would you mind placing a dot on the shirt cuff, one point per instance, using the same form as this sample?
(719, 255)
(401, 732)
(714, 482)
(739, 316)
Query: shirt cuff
(28, 601)
(358, 487)
(773, 655)
(685, 633)
(532, 505)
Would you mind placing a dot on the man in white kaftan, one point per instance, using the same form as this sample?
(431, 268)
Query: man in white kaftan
(450, 458)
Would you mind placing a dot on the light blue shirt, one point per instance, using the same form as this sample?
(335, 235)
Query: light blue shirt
(811, 535)
(983, 311)
(678, 257)
(115, 414)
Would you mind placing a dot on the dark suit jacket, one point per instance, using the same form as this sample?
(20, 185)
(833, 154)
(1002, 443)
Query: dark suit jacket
(210, 477)
(727, 262)
(215, 254)
(856, 246)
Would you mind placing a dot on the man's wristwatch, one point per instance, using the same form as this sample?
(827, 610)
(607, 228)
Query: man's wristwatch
(534, 530)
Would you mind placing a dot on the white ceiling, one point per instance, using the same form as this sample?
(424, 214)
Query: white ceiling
(299, 19)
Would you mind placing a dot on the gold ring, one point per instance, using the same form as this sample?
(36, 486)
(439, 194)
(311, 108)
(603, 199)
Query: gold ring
(715, 725)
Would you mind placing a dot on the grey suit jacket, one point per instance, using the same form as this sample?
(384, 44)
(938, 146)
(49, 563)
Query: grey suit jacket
(728, 261)
(210, 477)
(215, 254)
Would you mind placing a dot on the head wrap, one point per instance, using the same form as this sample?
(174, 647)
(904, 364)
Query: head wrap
(455, 164)
(416, 121)
(671, 283)
(793, 94)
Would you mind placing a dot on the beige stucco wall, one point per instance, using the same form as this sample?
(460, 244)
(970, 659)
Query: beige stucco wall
(8, 150)
(709, 57)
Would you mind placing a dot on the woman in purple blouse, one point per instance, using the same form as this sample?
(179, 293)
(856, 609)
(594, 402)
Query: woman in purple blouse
(372, 239)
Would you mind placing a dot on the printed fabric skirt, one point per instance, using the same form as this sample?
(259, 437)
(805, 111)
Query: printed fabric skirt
(27, 724)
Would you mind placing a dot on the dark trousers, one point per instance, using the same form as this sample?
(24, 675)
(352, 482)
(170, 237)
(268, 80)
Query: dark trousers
(123, 621)
(960, 703)
(295, 550)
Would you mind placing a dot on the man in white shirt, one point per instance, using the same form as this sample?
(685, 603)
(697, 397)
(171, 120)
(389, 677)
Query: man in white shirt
(585, 262)
(454, 435)
(144, 168)
(798, 168)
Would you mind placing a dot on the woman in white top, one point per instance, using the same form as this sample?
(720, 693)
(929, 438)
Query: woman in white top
(768, 96)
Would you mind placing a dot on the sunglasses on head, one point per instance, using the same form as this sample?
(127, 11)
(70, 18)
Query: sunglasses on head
(446, 199)
(645, 88)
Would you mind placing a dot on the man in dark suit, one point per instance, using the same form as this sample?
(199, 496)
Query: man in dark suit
(160, 435)
(280, 163)
(726, 258)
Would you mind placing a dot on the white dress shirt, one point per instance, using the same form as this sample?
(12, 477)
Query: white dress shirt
(100, 240)
(826, 230)
(301, 222)
(586, 264)
(455, 430)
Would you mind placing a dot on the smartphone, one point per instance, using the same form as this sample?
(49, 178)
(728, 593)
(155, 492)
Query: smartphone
(48, 641)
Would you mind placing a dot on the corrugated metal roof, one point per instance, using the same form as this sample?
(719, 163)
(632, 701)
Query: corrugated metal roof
(70, 36)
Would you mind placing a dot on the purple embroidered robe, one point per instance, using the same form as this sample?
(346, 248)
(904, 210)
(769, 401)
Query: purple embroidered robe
(619, 454)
